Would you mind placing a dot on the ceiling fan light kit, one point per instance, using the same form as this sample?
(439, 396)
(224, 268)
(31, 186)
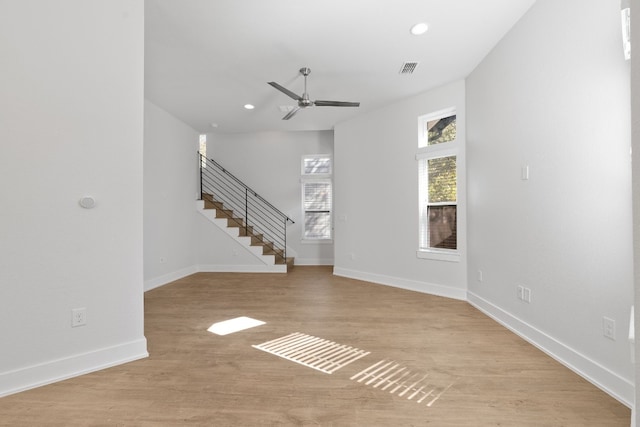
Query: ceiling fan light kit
(304, 101)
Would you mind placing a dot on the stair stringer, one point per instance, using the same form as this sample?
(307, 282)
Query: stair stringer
(269, 261)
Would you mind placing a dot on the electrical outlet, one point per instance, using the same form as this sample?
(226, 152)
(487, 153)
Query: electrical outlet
(78, 317)
(524, 294)
(480, 276)
(609, 328)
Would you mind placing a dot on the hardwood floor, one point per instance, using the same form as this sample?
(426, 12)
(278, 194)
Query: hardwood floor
(196, 378)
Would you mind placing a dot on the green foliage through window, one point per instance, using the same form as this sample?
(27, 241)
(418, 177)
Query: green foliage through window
(442, 179)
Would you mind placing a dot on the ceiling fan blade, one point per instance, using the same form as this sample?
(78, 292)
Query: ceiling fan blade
(285, 91)
(335, 104)
(291, 113)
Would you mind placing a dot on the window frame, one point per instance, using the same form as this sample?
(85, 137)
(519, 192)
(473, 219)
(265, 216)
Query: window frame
(316, 156)
(310, 178)
(202, 149)
(425, 153)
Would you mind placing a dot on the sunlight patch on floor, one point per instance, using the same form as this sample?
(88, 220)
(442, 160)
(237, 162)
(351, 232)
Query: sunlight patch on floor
(234, 325)
(389, 375)
(317, 353)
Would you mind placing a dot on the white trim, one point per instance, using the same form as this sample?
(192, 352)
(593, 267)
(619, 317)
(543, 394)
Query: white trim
(311, 179)
(422, 120)
(445, 112)
(314, 261)
(234, 233)
(316, 242)
(425, 153)
(438, 256)
(169, 277)
(397, 282)
(306, 178)
(603, 378)
(217, 268)
(424, 204)
(316, 156)
(226, 268)
(445, 149)
(57, 370)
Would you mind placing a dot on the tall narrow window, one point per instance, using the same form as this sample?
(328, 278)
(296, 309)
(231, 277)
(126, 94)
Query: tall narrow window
(438, 186)
(203, 150)
(317, 198)
(439, 207)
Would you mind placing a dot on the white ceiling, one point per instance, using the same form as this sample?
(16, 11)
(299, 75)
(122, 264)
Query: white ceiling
(205, 59)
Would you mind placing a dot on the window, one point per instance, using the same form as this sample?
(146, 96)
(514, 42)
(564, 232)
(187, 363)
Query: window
(438, 186)
(317, 198)
(203, 150)
(316, 165)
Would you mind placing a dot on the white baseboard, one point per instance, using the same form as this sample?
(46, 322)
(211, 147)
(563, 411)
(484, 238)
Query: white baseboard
(396, 282)
(170, 277)
(608, 381)
(313, 261)
(212, 268)
(57, 370)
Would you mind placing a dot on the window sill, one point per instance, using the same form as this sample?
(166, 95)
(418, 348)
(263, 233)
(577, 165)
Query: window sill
(317, 241)
(439, 255)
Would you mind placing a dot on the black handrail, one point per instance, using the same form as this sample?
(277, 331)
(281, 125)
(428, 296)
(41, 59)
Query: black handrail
(235, 195)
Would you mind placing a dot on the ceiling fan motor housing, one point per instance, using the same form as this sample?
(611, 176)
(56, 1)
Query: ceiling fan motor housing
(305, 101)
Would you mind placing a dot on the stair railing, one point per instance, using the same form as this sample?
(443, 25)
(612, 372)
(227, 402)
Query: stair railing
(259, 214)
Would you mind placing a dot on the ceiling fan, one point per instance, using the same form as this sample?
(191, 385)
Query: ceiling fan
(304, 101)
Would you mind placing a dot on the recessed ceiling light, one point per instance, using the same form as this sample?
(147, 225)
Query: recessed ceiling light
(249, 106)
(419, 29)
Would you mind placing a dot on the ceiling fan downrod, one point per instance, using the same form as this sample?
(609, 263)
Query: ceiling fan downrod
(305, 101)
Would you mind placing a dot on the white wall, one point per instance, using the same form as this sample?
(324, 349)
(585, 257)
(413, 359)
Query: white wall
(270, 163)
(554, 95)
(171, 186)
(71, 113)
(376, 197)
(635, 126)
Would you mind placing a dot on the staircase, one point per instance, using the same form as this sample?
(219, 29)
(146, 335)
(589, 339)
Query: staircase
(259, 227)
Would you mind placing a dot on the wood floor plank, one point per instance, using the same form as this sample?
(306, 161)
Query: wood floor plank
(483, 374)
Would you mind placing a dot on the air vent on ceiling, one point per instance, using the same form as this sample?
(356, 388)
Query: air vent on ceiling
(408, 67)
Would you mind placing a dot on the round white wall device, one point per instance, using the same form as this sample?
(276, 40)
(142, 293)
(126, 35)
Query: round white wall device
(87, 202)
